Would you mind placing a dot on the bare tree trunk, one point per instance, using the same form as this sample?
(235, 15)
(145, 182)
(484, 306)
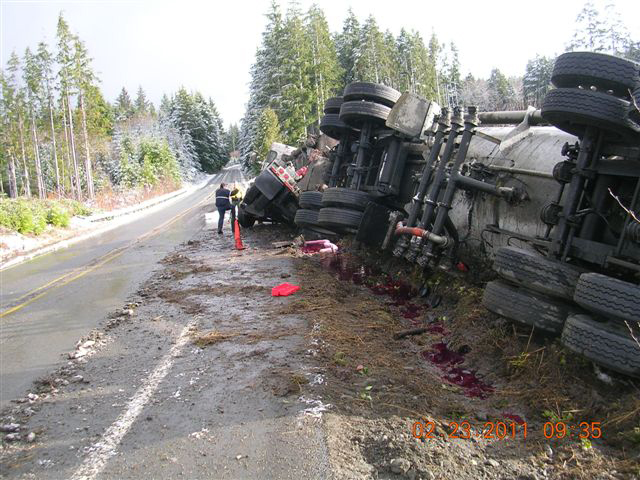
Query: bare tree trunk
(67, 149)
(39, 180)
(26, 185)
(55, 153)
(87, 158)
(72, 144)
(13, 182)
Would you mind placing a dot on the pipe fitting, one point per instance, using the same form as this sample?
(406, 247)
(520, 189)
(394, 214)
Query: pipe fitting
(422, 233)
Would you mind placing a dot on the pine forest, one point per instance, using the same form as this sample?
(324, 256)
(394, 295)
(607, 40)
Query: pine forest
(60, 138)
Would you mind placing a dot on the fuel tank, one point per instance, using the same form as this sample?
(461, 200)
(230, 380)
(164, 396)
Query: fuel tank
(525, 162)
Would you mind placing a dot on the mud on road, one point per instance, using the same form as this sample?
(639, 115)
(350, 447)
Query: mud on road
(203, 374)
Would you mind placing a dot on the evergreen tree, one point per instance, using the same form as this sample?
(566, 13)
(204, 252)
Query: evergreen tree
(232, 138)
(324, 70)
(18, 107)
(65, 59)
(199, 121)
(296, 103)
(347, 45)
(601, 32)
(590, 32)
(33, 82)
(6, 132)
(268, 132)
(537, 80)
(141, 104)
(124, 108)
(502, 92)
(45, 63)
(84, 79)
(370, 56)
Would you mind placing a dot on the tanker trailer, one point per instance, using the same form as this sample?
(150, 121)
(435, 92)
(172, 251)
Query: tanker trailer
(566, 194)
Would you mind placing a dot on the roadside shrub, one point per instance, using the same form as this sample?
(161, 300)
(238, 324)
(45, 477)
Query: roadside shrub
(75, 207)
(32, 215)
(58, 216)
(7, 214)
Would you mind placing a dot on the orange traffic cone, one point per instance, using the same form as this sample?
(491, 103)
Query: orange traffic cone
(236, 234)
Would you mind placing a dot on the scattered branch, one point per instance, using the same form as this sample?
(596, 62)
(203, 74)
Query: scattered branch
(406, 333)
(631, 332)
(634, 101)
(630, 212)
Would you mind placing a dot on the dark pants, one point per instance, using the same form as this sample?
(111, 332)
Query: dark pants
(233, 216)
(221, 212)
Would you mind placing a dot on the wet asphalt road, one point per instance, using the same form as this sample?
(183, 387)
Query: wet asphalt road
(157, 400)
(109, 268)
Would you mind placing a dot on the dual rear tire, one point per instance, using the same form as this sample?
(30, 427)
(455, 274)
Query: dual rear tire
(596, 315)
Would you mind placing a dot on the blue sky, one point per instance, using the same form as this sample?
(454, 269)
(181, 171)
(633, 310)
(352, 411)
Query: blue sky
(209, 46)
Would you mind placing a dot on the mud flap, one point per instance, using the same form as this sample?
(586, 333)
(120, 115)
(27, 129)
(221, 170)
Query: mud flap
(268, 185)
(375, 223)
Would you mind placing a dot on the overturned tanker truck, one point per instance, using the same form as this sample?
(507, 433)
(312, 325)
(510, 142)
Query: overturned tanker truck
(547, 195)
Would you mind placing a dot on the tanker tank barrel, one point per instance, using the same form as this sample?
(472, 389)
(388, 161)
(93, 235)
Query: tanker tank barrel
(510, 117)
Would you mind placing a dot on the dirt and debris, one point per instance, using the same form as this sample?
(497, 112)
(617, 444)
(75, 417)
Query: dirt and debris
(378, 353)
(454, 363)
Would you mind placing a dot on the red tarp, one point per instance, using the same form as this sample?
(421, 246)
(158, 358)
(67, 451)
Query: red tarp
(284, 290)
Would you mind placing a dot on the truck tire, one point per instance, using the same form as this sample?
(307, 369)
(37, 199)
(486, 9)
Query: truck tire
(589, 69)
(606, 343)
(310, 200)
(536, 272)
(332, 126)
(525, 307)
(339, 219)
(332, 105)
(245, 219)
(608, 296)
(374, 92)
(573, 109)
(308, 219)
(356, 113)
(345, 198)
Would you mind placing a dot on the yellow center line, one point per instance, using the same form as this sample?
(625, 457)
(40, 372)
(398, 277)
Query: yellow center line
(82, 271)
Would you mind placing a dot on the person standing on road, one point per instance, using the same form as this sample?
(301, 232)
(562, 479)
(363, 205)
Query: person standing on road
(236, 198)
(223, 203)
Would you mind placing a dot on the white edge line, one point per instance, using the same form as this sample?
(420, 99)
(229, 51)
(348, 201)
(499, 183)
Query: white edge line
(102, 450)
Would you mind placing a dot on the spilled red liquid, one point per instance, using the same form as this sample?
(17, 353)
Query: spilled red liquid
(348, 269)
(401, 293)
(446, 359)
(442, 355)
(437, 328)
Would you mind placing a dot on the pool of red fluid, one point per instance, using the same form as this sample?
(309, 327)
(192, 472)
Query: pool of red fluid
(349, 269)
(447, 359)
(437, 328)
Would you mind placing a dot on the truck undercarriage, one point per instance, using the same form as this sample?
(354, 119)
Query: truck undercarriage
(547, 195)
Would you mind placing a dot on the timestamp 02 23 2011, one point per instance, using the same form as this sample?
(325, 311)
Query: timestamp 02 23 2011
(504, 430)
